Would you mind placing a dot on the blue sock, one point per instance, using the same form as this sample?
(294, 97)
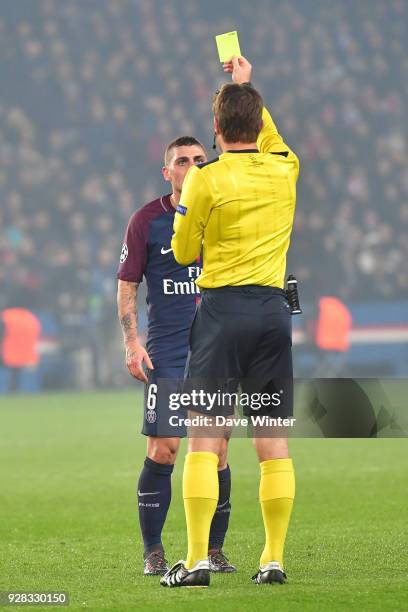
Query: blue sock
(154, 495)
(221, 517)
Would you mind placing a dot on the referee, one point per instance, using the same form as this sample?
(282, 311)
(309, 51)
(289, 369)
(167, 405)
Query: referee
(240, 209)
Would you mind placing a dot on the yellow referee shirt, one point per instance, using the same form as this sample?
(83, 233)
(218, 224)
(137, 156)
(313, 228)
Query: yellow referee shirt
(240, 209)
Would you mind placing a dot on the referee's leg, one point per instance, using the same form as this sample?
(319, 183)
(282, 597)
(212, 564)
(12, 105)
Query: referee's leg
(201, 488)
(273, 361)
(276, 495)
(207, 444)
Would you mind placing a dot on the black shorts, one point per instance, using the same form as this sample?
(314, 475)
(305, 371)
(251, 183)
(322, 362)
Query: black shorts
(242, 337)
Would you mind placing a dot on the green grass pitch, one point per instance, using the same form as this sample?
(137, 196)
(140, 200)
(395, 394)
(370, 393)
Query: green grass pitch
(68, 472)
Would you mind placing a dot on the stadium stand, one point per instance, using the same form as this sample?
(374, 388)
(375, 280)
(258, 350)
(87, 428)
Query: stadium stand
(90, 97)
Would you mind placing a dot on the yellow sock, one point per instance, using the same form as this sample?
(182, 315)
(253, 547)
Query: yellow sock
(276, 494)
(200, 493)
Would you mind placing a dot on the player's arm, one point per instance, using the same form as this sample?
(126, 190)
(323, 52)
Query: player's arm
(191, 217)
(135, 353)
(269, 139)
(130, 273)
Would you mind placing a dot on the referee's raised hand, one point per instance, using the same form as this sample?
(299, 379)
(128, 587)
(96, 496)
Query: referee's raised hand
(240, 69)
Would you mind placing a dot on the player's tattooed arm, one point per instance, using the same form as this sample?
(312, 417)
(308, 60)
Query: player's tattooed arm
(136, 354)
(127, 310)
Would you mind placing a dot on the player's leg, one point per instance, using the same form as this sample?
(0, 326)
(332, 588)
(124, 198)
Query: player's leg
(154, 497)
(154, 486)
(219, 525)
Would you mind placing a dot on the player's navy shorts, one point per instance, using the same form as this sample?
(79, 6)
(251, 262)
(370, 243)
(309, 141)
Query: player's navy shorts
(162, 384)
(242, 336)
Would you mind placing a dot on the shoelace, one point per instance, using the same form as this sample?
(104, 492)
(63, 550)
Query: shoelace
(220, 558)
(157, 560)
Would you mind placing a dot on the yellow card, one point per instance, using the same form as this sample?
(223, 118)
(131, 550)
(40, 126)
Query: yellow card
(228, 45)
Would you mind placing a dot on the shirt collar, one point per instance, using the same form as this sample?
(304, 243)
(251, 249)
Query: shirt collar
(243, 151)
(166, 203)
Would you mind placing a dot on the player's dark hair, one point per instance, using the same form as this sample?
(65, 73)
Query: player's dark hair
(238, 110)
(182, 141)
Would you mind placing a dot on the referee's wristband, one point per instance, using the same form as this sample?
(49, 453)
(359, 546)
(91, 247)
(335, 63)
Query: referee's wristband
(247, 83)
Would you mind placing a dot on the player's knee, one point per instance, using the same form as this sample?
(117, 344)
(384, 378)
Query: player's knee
(163, 450)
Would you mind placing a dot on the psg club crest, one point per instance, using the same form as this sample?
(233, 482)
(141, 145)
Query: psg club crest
(151, 416)
(124, 253)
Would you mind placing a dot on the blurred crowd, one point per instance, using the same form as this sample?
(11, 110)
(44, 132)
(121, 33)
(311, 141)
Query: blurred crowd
(93, 91)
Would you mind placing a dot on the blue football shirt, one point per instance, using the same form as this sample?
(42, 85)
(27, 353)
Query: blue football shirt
(172, 294)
